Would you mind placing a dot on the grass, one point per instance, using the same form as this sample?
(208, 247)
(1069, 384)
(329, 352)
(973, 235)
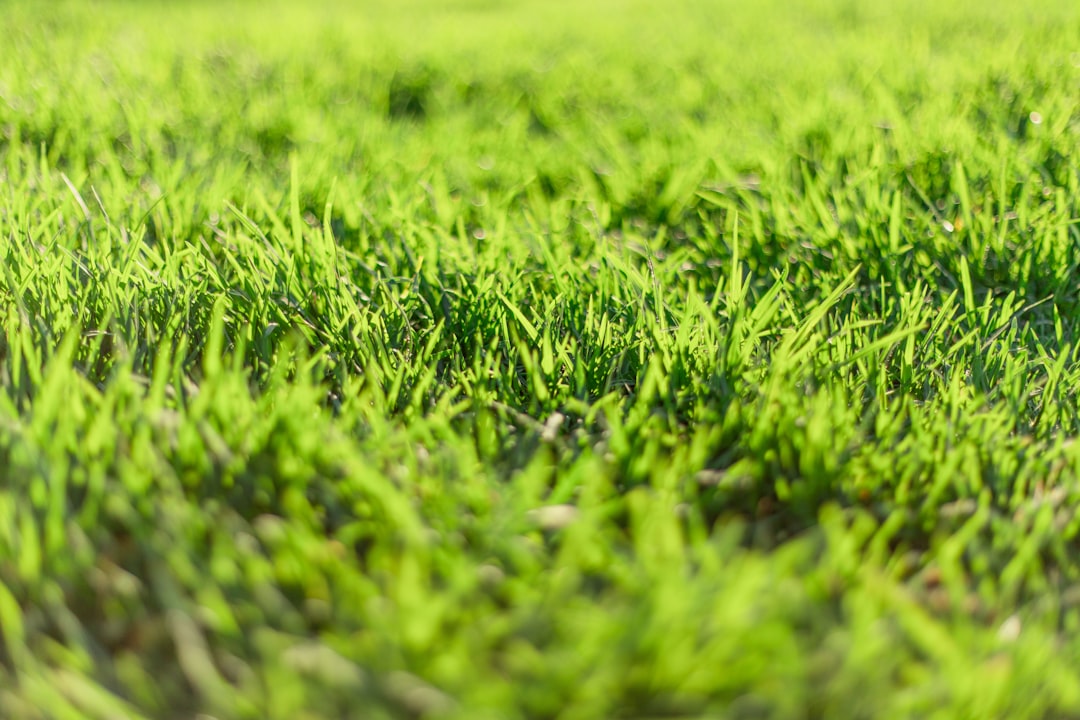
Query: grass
(466, 360)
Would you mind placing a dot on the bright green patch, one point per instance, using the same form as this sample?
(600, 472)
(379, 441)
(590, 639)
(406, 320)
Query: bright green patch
(495, 360)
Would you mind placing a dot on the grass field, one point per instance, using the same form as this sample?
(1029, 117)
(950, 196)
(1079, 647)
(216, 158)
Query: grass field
(539, 359)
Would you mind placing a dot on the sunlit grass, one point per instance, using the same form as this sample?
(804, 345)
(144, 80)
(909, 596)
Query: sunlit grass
(541, 360)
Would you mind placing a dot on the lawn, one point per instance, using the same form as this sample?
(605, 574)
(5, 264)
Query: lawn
(605, 359)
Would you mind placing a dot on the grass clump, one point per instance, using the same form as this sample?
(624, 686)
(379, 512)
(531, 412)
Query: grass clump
(539, 360)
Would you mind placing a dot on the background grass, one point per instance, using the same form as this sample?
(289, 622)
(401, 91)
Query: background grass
(475, 359)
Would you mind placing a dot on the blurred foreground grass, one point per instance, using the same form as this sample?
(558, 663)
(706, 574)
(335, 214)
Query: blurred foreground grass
(482, 359)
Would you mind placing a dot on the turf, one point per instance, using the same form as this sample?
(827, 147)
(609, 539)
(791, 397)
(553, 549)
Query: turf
(539, 359)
